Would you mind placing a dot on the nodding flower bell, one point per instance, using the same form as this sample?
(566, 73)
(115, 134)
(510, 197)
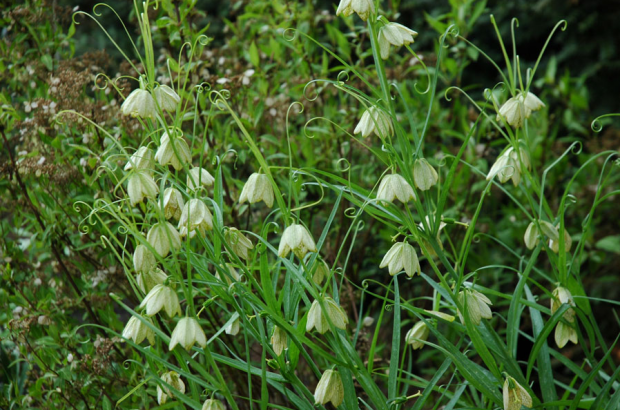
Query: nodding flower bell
(173, 151)
(396, 35)
(401, 256)
(166, 97)
(161, 297)
(393, 186)
(198, 177)
(330, 388)
(137, 331)
(140, 103)
(424, 175)
(363, 8)
(318, 320)
(187, 333)
(140, 185)
(174, 380)
(564, 331)
(516, 109)
(515, 395)
(148, 280)
(509, 165)
(142, 159)
(296, 238)
(476, 304)
(239, 244)
(278, 340)
(322, 271)
(257, 188)
(195, 217)
(173, 203)
(163, 236)
(533, 233)
(233, 327)
(374, 120)
(212, 404)
(418, 333)
(143, 259)
(555, 244)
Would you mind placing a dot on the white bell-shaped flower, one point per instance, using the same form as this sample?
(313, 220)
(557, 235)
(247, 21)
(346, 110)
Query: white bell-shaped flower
(143, 259)
(239, 244)
(296, 238)
(196, 217)
(212, 404)
(163, 237)
(140, 185)
(278, 340)
(142, 159)
(140, 103)
(257, 188)
(401, 256)
(318, 320)
(374, 120)
(198, 177)
(174, 380)
(424, 175)
(166, 98)
(161, 297)
(137, 331)
(393, 186)
(394, 34)
(329, 389)
(515, 395)
(148, 280)
(173, 203)
(564, 331)
(476, 304)
(417, 335)
(363, 8)
(173, 151)
(187, 333)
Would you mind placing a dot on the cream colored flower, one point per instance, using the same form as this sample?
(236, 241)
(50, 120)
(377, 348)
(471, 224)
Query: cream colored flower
(173, 203)
(515, 395)
(137, 331)
(401, 256)
(166, 97)
(393, 186)
(142, 159)
(329, 389)
(233, 327)
(239, 244)
(533, 233)
(147, 280)
(212, 404)
(424, 175)
(476, 304)
(161, 297)
(555, 244)
(296, 238)
(163, 237)
(174, 380)
(510, 166)
(417, 335)
(257, 188)
(441, 315)
(140, 185)
(199, 177)
(278, 340)
(139, 103)
(322, 271)
(363, 8)
(396, 35)
(187, 333)
(318, 320)
(143, 259)
(518, 108)
(166, 152)
(196, 217)
(564, 331)
(374, 120)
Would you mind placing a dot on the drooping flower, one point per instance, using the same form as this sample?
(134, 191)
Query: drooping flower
(173, 151)
(166, 97)
(195, 217)
(163, 237)
(257, 188)
(140, 185)
(476, 304)
(173, 203)
(137, 331)
(424, 175)
(174, 380)
(321, 271)
(555, 244)
(161, 297)
(212, 404)
(148, 280)
(278, 340)
(142, 159)
(516, 109)
(564, 331)
(401, 256)
(509, 165)
(515, 395)
(233, 327)
(187, 333)
(393, 186)
(394, 34)
(363, 8)
(533, 233)
(329, 389)
(374, 120)
(143, 259)
(140, 103)
(318, 320)
(418, 333)
(296, 238)
(199, 177)
(239, 244)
